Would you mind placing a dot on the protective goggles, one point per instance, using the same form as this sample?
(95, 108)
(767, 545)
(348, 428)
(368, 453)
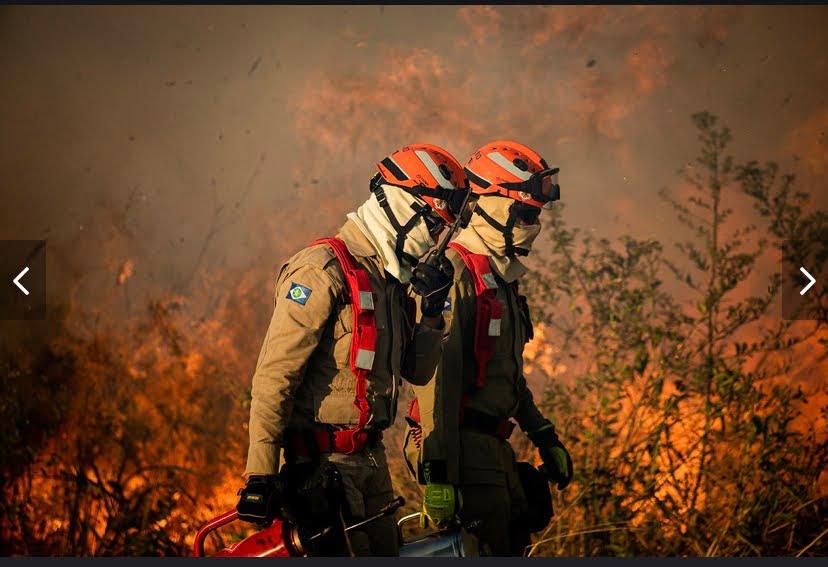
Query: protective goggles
(542, 186)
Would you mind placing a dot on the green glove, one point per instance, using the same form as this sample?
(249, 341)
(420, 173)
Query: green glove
(557, 464)
(441, 502)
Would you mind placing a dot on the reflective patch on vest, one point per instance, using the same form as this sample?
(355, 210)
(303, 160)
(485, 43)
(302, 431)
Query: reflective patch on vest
(364, 359)
(494, 327)
(489, 279)
(366, 300)
(298, 293)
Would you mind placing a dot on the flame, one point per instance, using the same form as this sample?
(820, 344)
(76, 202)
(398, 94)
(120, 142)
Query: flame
(125, 272)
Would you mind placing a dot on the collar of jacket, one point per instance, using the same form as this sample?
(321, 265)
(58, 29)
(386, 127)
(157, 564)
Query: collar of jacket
(357, 243)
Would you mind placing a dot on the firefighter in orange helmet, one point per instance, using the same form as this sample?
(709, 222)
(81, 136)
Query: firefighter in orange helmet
(467, 413)
(341, 339)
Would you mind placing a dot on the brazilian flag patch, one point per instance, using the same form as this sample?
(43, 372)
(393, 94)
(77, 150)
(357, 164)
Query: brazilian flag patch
(298, 293)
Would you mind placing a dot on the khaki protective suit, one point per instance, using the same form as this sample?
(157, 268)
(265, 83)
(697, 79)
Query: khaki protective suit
(303, 380)
(482, 465)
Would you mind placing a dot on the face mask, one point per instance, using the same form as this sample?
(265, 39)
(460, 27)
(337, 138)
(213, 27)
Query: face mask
(496, 221)
(399, 249)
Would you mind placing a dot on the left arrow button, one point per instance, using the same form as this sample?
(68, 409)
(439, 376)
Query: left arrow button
(16, 280)
(22, 280)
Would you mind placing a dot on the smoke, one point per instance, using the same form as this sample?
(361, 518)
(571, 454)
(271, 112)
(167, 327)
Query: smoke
(193, 140)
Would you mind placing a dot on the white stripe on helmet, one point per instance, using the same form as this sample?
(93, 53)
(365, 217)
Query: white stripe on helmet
(501, 160)
(433, 169)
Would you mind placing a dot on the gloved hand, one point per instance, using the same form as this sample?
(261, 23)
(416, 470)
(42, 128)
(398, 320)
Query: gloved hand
(260, 501)
(557, 464)
(432, 281)
(441, 501)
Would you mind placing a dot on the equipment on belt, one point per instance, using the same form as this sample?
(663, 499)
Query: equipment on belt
(363, 344)
(538, 497)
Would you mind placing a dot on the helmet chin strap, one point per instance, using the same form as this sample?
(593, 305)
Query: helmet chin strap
(506, 230)
(420, 211)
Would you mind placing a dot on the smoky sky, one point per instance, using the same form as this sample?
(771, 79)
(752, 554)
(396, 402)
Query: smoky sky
(201, 139)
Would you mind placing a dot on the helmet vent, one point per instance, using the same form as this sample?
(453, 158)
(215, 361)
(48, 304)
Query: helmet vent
(520, 164)
(445, 171)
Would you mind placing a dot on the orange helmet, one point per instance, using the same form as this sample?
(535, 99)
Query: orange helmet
(430, 173)
(513, 170)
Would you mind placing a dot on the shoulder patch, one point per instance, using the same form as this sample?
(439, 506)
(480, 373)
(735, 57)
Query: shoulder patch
(298, 293)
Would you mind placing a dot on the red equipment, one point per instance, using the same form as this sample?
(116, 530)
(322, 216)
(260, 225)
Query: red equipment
(277, 540)
(280, 539)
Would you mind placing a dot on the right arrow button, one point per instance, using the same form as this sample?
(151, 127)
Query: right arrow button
(811, 280)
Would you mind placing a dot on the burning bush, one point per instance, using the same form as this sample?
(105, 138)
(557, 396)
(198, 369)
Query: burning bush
(681, 412)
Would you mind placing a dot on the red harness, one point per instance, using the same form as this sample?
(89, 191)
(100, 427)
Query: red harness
(363, 350)
(489, 309)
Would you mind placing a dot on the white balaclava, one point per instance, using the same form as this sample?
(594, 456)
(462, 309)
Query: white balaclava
(480, 237)
(375, 224)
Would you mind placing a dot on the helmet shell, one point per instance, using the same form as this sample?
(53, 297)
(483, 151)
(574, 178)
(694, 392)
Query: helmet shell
(425, 166)
(504, 162)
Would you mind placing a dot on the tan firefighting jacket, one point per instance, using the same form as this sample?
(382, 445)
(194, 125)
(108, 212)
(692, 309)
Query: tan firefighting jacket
(303, 379)
(504, 394)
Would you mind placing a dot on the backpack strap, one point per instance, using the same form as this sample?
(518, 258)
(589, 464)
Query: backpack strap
(363, 342)
(489, 309)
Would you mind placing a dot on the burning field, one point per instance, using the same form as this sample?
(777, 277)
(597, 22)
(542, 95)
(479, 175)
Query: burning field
(172, 157)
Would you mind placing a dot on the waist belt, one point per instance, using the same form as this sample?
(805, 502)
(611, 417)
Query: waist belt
(307, 443)
(500, 427)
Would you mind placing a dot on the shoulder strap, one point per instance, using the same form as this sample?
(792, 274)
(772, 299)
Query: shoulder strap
(363, 343)
(524, 307)
(488, 307)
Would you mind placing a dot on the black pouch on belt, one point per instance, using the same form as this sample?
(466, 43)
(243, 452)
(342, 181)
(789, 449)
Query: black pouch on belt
(539, 497)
